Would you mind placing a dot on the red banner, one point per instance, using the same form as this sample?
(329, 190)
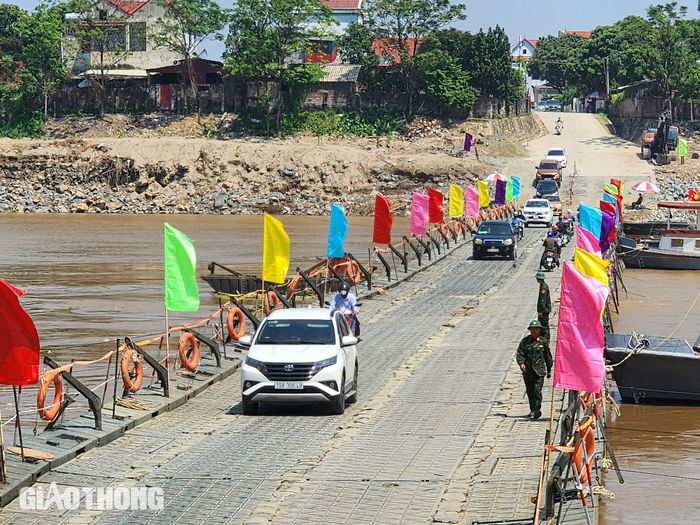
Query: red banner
(693, 194)
(382, 220)
(19, 344)
(435, 211)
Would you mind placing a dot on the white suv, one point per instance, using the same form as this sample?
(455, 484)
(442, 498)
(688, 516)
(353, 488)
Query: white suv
(538, 211)
(558, 154)
(300, 355)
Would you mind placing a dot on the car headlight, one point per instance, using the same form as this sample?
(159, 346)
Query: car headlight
(478, 241)
(508, 242)
(318, 365)
(255, 364)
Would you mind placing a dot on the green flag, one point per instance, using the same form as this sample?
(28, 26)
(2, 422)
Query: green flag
(181, 292)
(509, 190)
(682, 147)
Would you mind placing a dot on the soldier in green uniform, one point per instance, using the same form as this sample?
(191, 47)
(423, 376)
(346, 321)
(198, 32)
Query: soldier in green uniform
(535, 362)
(544, 304)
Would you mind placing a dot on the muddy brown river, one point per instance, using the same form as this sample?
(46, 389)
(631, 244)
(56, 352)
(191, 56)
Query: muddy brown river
(657, 446)
(93, 278)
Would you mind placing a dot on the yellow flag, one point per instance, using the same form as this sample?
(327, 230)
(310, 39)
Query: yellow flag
(591, 265)
(483, 187)
(275, 251)
(456, 201)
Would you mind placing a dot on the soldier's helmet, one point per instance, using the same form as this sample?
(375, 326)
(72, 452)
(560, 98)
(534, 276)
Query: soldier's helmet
(535, 324)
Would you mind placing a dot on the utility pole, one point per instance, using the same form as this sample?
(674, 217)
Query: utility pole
(607, 86)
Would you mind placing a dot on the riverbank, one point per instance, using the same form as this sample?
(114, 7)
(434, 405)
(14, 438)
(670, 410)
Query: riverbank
(295, 176)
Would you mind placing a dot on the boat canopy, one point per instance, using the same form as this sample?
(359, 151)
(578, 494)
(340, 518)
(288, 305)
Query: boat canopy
(682, 205)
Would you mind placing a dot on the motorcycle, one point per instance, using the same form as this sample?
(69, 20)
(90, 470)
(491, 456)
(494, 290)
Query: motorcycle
(519, 230)
(549, 261)
(353, 321)
(559, 128)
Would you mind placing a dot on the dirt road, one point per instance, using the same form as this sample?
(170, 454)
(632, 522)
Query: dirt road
(594, 153)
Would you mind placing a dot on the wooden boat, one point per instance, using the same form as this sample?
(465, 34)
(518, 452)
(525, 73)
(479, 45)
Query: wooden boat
(677, 249)
(231, 281)
(651, 369)
(646, 230)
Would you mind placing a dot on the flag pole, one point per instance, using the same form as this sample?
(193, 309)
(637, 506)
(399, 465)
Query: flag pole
(167, 344)
(3, 468)
(18, 425)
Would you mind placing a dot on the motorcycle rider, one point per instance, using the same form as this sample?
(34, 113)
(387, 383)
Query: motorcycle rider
(517, 223)
(346, 303)
(550, 245)
(563, 227)
(559, 125)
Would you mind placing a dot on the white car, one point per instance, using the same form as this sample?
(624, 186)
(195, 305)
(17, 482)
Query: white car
(538, 211)
(300, 355)
(558, 154)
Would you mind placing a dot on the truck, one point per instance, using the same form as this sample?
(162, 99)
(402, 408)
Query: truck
(660, 143)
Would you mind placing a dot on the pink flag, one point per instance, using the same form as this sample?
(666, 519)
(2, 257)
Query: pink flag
(579, 357)
(587, 241)
(471, 201)
(419, 214)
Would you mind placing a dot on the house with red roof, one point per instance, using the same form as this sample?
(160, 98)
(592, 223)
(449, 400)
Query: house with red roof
(125, 47)
(524, 49)
(582, 34)
(344, 12)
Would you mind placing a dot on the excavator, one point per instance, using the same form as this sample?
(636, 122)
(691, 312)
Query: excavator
(660, 143)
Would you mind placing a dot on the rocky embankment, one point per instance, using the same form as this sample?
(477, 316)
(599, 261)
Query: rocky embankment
(298, 176)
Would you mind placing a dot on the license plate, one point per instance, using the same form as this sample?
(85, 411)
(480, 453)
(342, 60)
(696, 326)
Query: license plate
(289, 385)
(492, 250)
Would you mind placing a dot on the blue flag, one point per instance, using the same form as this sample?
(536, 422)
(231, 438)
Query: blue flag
(516, 186)
(337, 231)
(591, 219)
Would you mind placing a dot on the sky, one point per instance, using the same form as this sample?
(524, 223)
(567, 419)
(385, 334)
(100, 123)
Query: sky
(531, 19)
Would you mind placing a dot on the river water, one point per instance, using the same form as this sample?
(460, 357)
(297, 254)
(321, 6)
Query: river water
(657, 446)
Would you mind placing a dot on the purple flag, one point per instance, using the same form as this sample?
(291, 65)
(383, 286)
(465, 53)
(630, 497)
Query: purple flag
(471, 201)
(468, 142)
(500, 192)
(419, 214)
(607, 225)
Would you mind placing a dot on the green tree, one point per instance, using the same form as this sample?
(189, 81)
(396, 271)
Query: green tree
(183, 28)
(42, 50)
(268, 39)
(670, 59)
(559, 60)
(445, 81)
(624, 48)
(401, 26)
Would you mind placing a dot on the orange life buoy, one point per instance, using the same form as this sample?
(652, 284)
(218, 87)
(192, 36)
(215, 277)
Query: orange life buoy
(188, 342)
(49, 414)
(132, 385)
(459, 229)
(270, 302)
(235, 314)
(352, 273)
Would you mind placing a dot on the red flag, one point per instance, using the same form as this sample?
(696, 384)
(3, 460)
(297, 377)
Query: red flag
(382, 220)
(617, 184)
(619, 206)
(19, 344)
(607, 206)
(435, 211)
(693, 194)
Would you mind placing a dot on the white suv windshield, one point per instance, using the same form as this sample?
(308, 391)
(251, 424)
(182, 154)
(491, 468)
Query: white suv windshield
(535, 204)
(297, 332)
(556, 153)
